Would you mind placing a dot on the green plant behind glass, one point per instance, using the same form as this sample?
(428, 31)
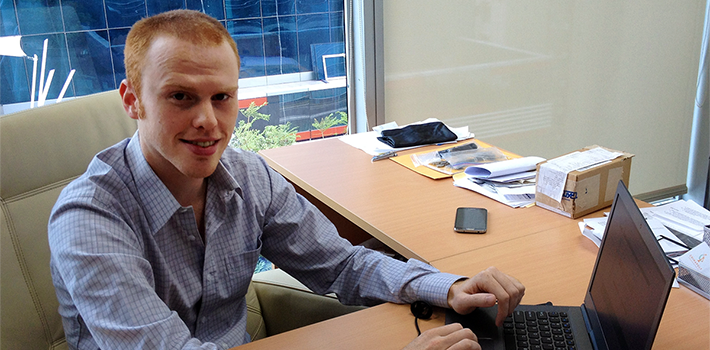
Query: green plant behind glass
(272, 136)
(330, 121)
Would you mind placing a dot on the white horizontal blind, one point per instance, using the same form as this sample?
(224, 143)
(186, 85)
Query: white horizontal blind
(548, 77)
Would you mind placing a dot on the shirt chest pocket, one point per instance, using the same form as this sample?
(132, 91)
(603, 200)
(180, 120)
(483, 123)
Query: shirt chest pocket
(239, 268)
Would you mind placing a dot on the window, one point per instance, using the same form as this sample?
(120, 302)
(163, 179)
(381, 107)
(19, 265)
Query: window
(281, 43)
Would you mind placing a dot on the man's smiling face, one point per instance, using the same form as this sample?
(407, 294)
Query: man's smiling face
(187, 107)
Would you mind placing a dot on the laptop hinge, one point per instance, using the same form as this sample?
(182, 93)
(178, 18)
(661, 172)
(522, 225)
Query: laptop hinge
(588, 325)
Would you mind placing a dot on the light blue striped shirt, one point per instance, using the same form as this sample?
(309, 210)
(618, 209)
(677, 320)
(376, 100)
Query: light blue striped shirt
(132, 272)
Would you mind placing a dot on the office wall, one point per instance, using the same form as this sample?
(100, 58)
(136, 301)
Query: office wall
(548, 77)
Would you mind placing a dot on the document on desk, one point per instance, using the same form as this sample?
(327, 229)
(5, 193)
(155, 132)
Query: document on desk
(503, 168)
(686, 217)
(368, 142)
(511, 182)
(553, 174)
(593, 228)
(516, 195)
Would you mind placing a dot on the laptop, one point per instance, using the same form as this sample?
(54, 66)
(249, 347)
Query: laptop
(622, 309)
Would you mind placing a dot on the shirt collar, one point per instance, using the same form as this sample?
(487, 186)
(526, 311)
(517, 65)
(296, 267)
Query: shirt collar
(157, 201)
(224, 183)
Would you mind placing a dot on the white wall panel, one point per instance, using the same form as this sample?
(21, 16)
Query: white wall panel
(548, 77)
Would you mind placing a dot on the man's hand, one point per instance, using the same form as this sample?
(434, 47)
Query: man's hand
(452, 337)
(483, 290)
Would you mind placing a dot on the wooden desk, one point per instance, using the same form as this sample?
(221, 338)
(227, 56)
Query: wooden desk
(685, 323)
(531, 259)
(412, 214)
(383, 327)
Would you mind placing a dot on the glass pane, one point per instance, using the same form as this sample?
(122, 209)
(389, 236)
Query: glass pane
(289, 42)
(37, 18)
(214, 8)
(8, 19)
(157, 6)
(83, 15)
(123, 13)
(250, 41)
(283, 45)
(90, 55)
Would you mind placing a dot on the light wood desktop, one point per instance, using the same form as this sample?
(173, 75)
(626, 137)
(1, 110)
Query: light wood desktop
(410, 213)
(555, 265)
(414, 216)
(531, 259)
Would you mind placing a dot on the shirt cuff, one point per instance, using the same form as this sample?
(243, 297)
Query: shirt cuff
(435, 288)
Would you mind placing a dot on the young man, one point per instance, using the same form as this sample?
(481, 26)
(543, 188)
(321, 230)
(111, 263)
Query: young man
(155, 245)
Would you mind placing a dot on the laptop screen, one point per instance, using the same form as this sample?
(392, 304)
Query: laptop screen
(631, 280)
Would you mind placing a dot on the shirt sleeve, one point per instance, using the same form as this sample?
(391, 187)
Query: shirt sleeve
(301, 240)
(104, 284)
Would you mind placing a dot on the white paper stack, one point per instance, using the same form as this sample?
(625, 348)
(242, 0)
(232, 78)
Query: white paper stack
(686, 217)
(594, 228)
(511, 182)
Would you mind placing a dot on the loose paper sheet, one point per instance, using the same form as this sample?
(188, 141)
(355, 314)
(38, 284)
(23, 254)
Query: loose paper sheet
(594, 228)
(686, 217)
(506, 167)
(515, 197)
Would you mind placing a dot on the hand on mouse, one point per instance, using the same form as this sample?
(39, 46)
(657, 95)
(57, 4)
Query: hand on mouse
(484, 290)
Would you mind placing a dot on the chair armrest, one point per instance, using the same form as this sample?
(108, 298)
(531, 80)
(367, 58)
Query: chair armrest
(287, 304)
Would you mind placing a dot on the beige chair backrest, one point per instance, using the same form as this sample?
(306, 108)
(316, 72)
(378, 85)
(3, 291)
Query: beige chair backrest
(41, 151)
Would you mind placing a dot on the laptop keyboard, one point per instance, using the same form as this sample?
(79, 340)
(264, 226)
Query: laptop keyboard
(541, 330)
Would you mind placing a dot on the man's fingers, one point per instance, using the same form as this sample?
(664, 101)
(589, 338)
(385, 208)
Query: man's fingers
(444, 330)
(466, 344)
(484, 290)
(448, 336)
(513, 292)
(470, 302)
(461, 336)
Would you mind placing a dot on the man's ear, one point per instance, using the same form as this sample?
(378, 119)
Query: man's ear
(129, 98)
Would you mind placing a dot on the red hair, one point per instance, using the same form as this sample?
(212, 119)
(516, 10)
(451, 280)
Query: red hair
(188, 25)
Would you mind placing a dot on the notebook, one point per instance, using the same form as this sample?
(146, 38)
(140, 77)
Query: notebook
(622, 309)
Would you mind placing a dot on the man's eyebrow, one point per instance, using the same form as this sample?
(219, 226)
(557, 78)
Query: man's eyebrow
(171, 86)
(177, 86)
(232, 88)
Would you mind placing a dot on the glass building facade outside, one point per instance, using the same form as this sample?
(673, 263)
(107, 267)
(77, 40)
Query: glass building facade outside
(282, 39)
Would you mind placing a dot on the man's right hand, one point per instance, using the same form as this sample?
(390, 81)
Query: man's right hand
(451, 336)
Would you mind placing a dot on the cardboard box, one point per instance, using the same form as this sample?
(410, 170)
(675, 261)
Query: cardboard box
(588, 190)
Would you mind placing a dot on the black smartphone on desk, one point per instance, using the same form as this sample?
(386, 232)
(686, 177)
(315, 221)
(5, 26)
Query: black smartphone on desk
(471, 220)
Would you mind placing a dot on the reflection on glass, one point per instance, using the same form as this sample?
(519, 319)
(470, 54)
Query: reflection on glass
(278, 41)
(90, 55)
(123, 13)
(83, 15)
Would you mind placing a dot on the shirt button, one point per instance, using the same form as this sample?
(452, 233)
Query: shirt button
(192, 238)
(225, 345)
